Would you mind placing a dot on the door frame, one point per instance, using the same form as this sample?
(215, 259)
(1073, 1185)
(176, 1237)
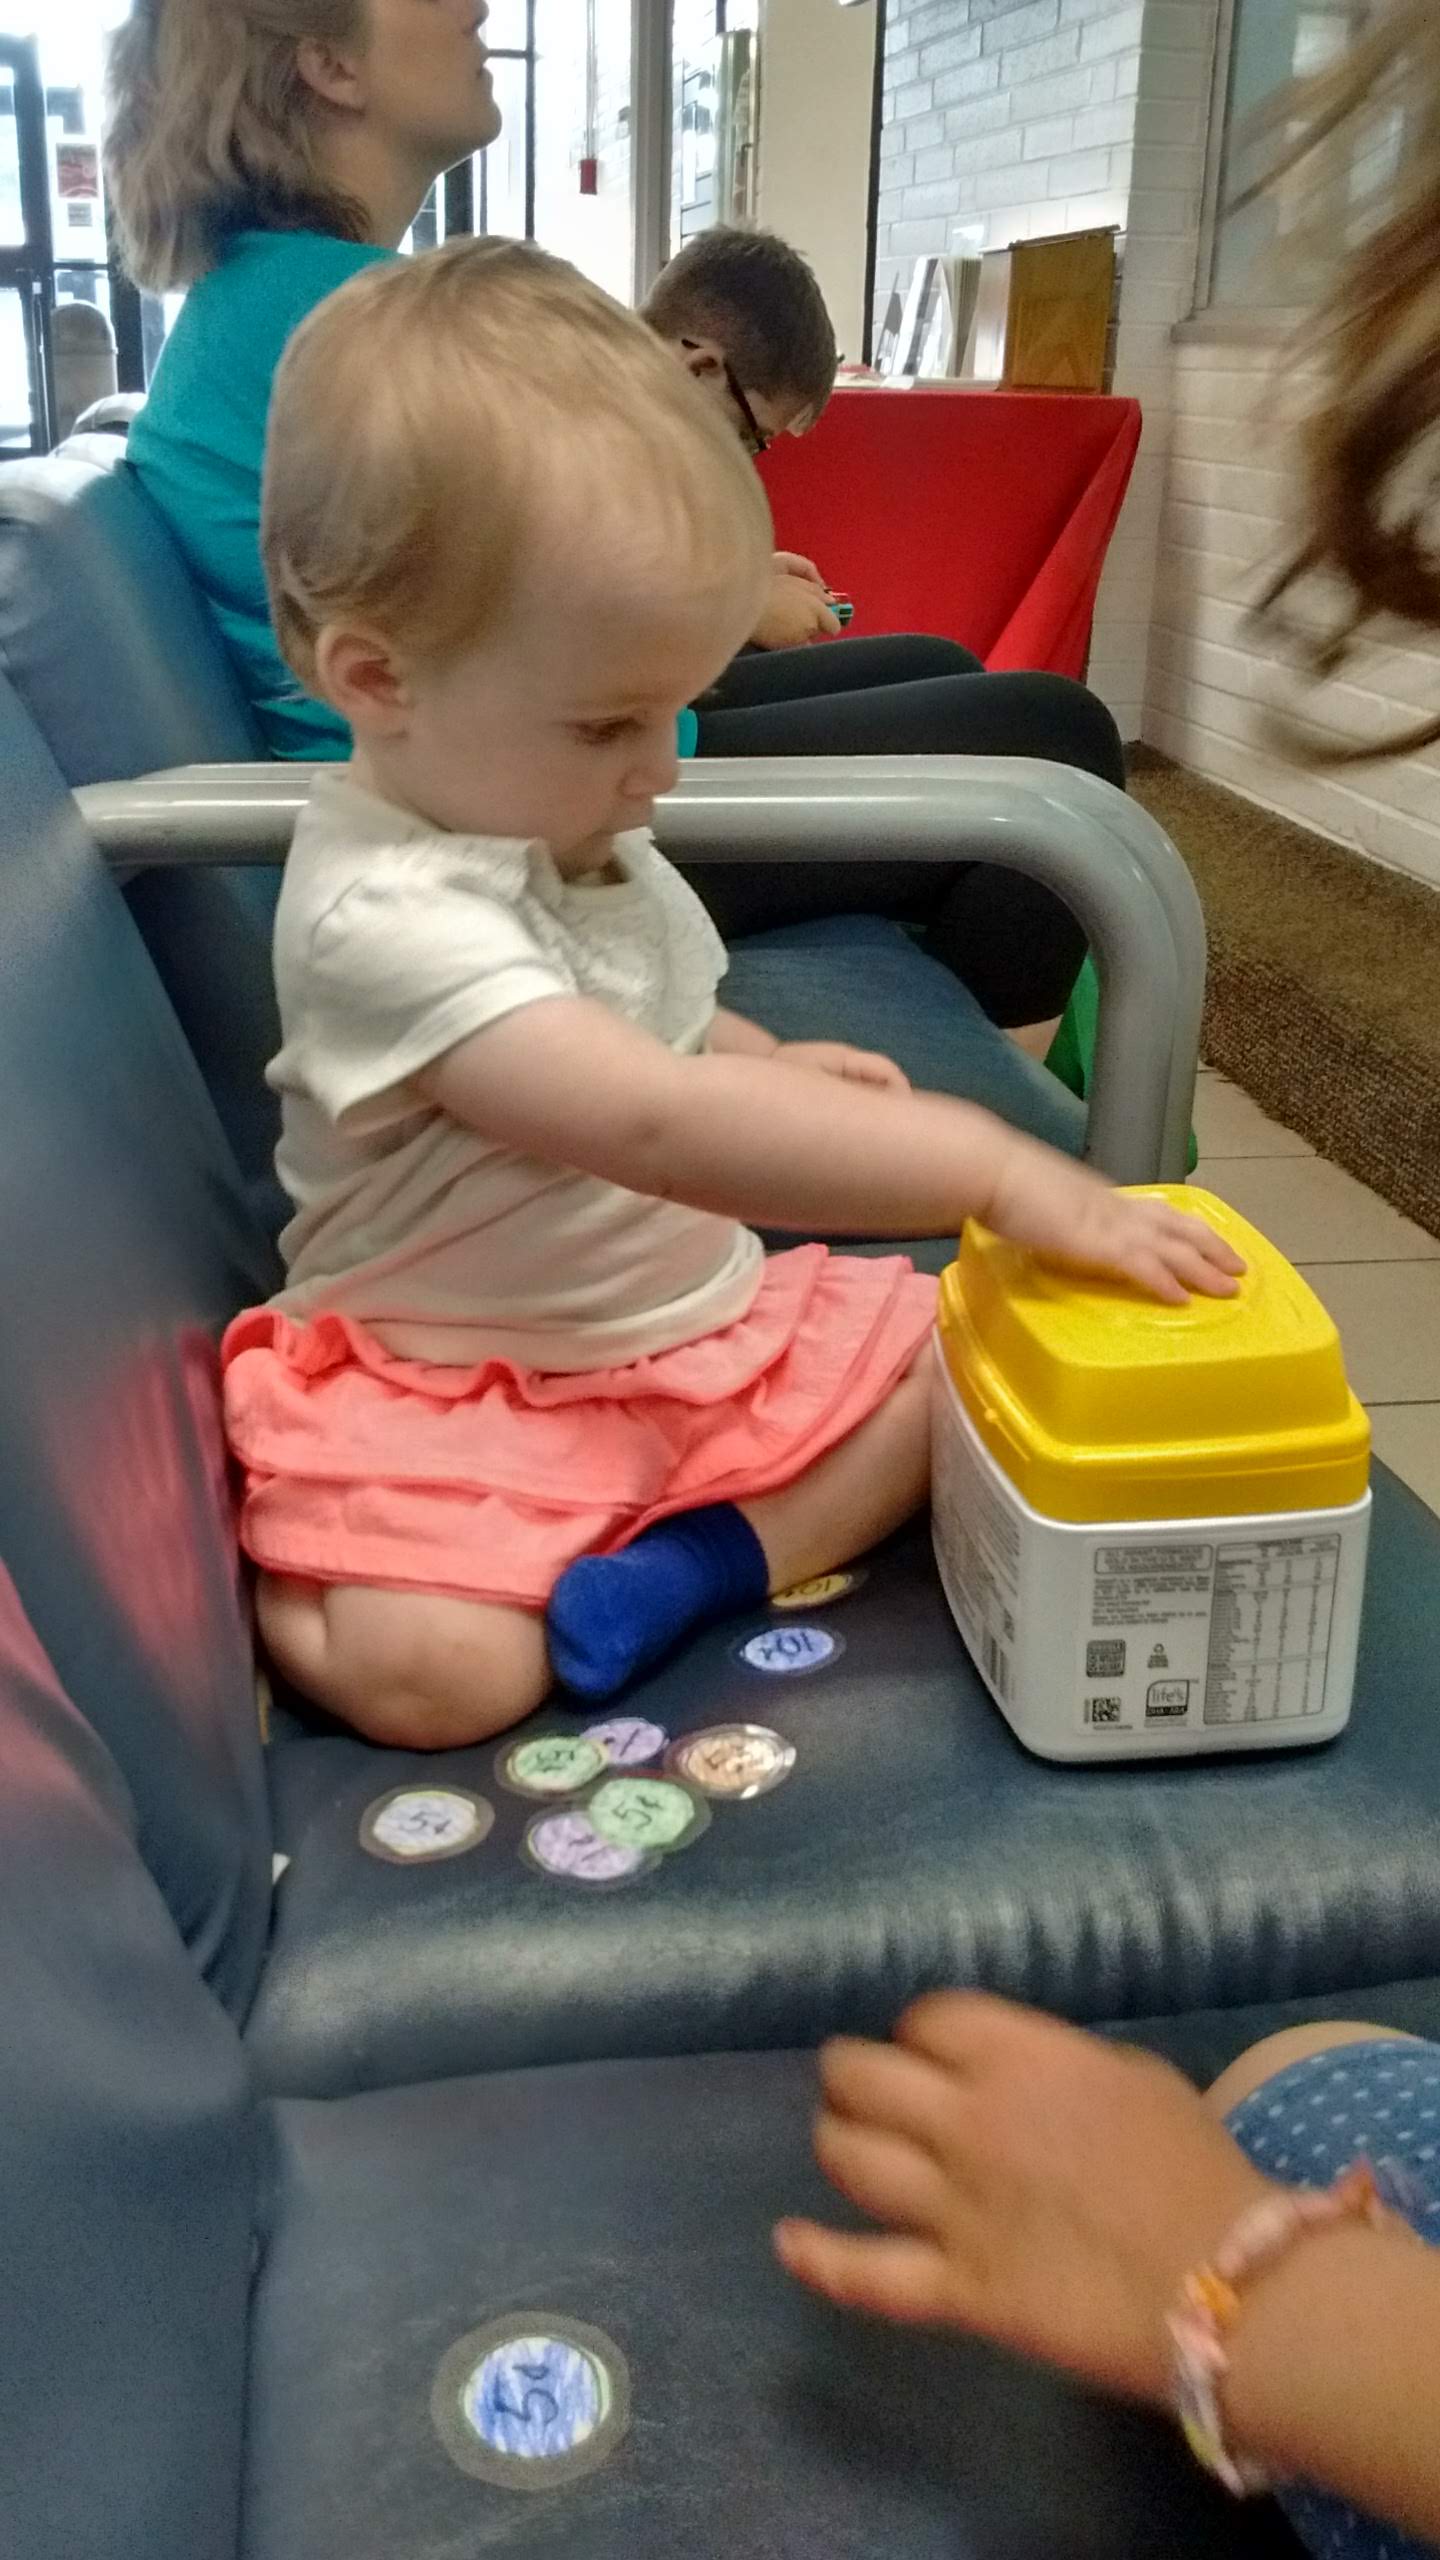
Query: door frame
(30, 269)
(652, 75)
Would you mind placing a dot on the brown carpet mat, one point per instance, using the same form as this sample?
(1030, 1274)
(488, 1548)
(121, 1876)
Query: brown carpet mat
(1324, 992)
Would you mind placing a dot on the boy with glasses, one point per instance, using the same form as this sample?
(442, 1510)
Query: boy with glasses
(744, 313)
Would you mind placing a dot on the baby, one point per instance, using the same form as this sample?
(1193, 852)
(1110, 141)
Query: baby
(534, 1402)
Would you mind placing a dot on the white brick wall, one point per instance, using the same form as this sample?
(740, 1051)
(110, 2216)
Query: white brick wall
(1003, 120)
(1231, 480)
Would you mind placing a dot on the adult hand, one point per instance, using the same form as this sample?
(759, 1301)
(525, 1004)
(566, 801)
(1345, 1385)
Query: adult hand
(796, 614)
(853, 1066)
(1040, 2188)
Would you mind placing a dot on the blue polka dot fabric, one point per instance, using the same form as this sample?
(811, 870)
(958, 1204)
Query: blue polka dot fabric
(1379, 2101)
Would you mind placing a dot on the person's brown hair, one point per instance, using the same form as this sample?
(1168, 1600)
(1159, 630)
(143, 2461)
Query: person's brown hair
(757, 298)
(1371, 445)
(211, 130)
(438, 416)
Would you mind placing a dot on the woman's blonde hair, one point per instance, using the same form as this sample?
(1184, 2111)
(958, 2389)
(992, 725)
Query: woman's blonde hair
(212, 129)
(1371, 446)
(436, 417)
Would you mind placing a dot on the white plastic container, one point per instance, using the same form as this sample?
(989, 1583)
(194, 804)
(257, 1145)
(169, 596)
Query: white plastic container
(1151, 1523)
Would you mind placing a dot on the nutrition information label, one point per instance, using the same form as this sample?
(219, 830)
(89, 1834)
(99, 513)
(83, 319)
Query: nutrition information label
(1270, 1630)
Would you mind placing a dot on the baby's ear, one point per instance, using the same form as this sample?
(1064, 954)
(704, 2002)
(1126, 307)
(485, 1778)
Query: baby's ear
(360, 675)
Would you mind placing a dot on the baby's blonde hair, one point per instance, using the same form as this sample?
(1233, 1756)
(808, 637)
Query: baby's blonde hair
(212, 129)
(426, 422)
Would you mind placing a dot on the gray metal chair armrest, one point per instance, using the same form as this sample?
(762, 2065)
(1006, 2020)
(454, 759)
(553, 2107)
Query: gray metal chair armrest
(1109, 862)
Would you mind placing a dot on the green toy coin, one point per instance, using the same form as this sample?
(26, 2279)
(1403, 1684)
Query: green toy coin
(553, 1764)
(645, 1813)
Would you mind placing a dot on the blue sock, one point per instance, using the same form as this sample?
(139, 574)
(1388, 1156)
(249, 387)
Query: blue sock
(611, 1617)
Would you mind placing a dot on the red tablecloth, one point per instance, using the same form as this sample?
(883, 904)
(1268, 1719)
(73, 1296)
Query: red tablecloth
(983, 516)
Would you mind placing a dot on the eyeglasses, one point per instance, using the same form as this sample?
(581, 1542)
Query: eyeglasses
(759, 438)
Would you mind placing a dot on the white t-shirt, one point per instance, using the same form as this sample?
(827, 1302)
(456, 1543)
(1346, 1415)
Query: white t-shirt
(394, 941)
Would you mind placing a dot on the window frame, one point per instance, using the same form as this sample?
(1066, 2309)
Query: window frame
(1214, 317)
(1211, 320)
(1208, 247)
(29, 270)
(528, 55)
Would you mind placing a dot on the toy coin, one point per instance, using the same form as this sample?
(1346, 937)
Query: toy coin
(646, 1813)
(412, 1826)
(552, 1764)
(733, 1761)
(565, 1844)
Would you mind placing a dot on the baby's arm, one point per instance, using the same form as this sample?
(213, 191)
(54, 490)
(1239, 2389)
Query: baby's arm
(1049, 2191)
(731, 1036)
(568, 1081)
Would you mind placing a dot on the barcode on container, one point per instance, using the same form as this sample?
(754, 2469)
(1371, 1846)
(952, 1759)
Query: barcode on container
(997, 1666)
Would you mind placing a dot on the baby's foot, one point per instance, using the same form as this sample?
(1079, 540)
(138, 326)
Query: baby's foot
(611, 1617)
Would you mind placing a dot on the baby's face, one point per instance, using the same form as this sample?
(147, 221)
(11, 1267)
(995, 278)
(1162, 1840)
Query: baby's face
(561, 725)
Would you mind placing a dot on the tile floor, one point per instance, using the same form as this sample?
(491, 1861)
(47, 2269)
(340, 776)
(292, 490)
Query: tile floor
(1378, 1274)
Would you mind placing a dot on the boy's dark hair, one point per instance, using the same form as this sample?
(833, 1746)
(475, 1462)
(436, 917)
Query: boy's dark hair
(758, 299)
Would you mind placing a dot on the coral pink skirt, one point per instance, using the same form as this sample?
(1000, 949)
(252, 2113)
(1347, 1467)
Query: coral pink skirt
(487, 1482)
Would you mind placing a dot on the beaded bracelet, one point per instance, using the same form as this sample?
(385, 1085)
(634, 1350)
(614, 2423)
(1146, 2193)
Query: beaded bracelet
(1210, 2305)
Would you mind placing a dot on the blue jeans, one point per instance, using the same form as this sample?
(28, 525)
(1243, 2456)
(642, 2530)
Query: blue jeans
(861, 979)
(1306, 2126)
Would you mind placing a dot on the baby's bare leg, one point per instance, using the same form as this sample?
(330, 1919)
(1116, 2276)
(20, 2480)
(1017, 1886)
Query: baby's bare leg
(410, 1668)
(1261, 2062)
(855, 1496)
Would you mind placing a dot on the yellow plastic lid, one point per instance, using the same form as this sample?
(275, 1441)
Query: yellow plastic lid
(1099, 1403)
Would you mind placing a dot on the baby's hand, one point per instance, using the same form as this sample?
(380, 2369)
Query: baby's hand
(1073, 1218)
(853, 1066)
(1038, 2187)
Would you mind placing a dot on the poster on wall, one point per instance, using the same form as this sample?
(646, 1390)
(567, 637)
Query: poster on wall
(920, 307)
(887, 345)
(77, 183)
(923, 341)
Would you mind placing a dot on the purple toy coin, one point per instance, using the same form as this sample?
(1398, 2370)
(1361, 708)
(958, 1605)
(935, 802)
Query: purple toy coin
(566, 1845)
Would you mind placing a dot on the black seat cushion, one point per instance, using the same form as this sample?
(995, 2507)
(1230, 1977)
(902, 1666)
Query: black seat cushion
(117, 659)
(127, 1246)
(141, 2187)
(103, 633)
(916, 1844)
(129, 2167)
(637, 2200)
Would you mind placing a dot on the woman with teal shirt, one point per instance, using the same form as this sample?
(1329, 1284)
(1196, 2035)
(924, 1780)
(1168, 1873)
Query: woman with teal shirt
(194, 446)
(260, 154)
(195, 443)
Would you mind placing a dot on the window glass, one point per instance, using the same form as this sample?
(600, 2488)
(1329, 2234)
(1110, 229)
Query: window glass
(17, 426)
(582, 140)
(502, 167)
(505, 28)
(1273, 43)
